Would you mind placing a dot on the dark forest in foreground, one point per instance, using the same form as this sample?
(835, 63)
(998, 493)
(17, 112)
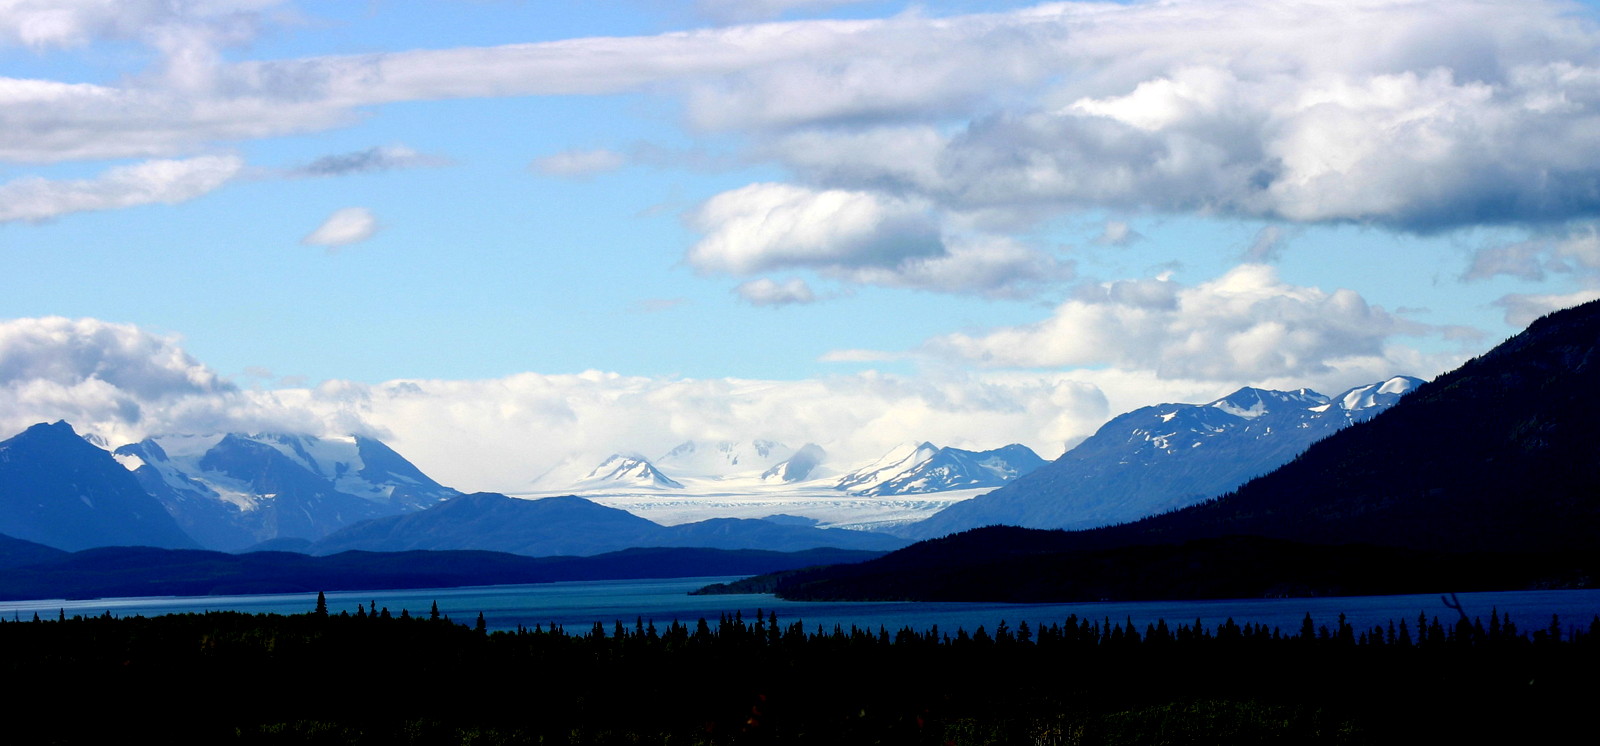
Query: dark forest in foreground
(384, 678)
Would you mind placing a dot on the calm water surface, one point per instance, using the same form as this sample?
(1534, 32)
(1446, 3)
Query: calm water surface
(578, 605)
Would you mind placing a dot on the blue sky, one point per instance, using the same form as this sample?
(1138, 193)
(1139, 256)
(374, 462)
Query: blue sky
(587, 227)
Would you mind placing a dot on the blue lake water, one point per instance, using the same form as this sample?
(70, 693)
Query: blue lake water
(578, 605)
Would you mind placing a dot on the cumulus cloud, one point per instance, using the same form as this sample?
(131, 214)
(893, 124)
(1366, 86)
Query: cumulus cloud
(112, 379)
(344, 227)
(168, 182)
(1246, 325)
(580, 163)
(765, 291)
(371, 160)
(858, 237)
(1258, 111)
(768, 226)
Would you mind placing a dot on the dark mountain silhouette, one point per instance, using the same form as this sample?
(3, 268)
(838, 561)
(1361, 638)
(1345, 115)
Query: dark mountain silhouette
(1499, 455)
(16, 552)
(573, 525)
(60, 490)
(146, 571)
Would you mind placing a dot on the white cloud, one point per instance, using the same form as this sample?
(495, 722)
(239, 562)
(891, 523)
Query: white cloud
(72, 23)
(1258, 111)
(502, 433)
(344, 227)
(993, 267)
(765, 291)
(859, 237)
(765, 227)
(112, 379)
(1451, 114)
(1524, 309)
(1247, 325)
(152, 182)
(580, 163)
(124, 384)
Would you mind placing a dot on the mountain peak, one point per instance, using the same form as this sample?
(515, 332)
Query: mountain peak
(1380, 394)
(799, 466)
(52, 430)
(60, 490)
(628, 470)
(927, 468)
(1250, 402)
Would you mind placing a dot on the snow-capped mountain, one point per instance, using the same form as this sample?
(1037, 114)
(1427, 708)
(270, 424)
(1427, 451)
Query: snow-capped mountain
(923, 467)
(897, 461)
(1168, 456)
(233, 490)
(798, 467)
(722, 459)
(61, 490)
(627, 470)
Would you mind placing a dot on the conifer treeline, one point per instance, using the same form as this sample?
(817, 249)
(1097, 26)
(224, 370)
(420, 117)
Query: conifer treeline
(371, 676)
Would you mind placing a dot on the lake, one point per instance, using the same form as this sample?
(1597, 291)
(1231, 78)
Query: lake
(578, 605)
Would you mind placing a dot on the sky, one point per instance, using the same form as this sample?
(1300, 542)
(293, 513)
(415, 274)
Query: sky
(505, 236)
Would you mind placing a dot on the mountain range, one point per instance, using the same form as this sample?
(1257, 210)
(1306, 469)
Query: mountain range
(321, 496)
(910, 469)
(234, 490)
(1490, 466)
(1168, 456)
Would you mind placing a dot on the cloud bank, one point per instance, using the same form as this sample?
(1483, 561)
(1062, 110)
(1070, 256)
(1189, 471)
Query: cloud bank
(1245, 325)
(1451, 113)
(123, 383)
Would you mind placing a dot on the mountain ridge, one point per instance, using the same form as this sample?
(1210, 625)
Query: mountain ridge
(1167, 456)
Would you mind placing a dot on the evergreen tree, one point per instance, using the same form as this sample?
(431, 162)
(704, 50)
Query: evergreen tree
(322, 605)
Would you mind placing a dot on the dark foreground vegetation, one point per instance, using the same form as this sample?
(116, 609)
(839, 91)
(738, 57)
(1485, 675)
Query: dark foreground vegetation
(382, 678)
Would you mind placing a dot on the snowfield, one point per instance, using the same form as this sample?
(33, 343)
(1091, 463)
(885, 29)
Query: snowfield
(727, 498)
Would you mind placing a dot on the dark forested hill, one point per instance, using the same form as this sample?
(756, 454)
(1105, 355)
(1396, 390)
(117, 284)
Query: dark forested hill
(146, 571)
